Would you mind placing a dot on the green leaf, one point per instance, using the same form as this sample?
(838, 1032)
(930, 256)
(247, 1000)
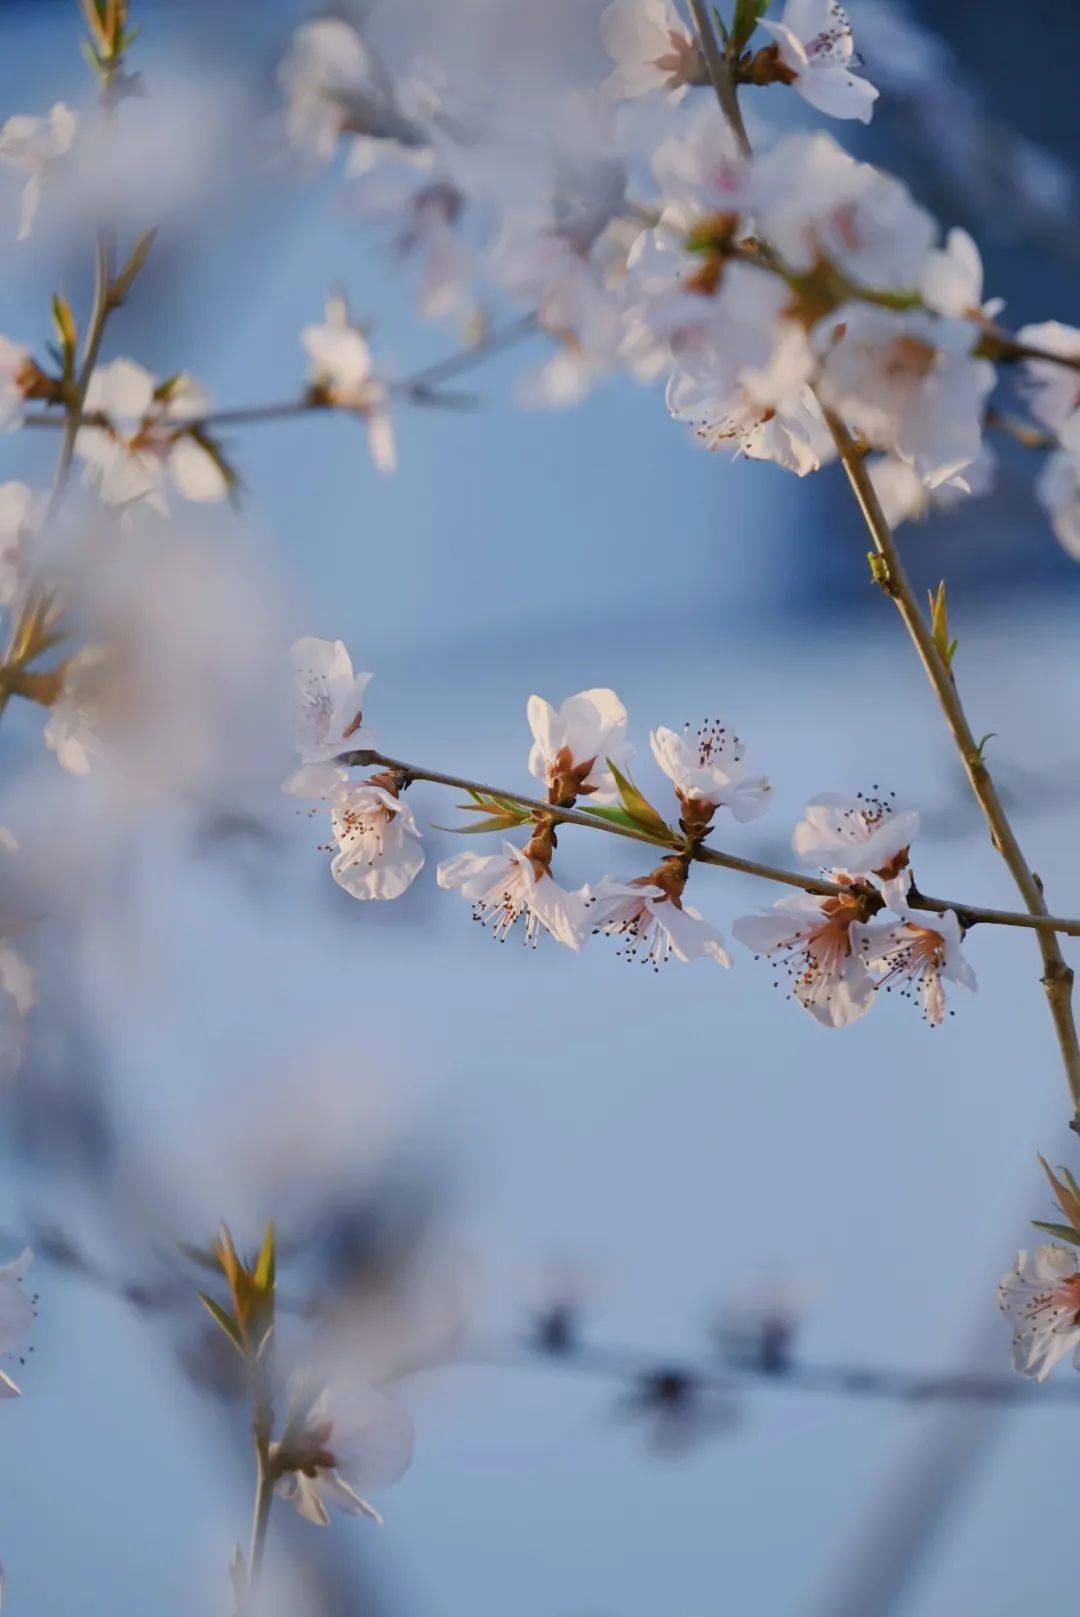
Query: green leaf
(939, 624)
(228, 1325)
(266, 1265)
(496, 822)
(640, 810)
(748, 13)
(1063, 1232)
(616, 815)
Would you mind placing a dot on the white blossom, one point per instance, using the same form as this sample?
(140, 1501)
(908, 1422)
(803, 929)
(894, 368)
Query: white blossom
(379, 848)
(1041, 1297)
(328, 716)
(951, 282)
(15, 368)
(144, 438)
(332, 84)
(866, 834)
(335, 1443)
(504, 888)
(906, 382)
(812, 201)
(18, 995)
(72, 729)
(1053, 390)
(918, 952)
(21, 513)
(1057, 488)
(700, 171)
(341, 369)
(652, 48)
(572, 743)
(904, 496)
(31, 146)
(708, 771)
(651, 924)
(813, 39)
(16, 1314)
(816, 941)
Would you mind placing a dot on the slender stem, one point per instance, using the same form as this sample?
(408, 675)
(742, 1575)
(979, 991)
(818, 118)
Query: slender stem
(1057, 975)
(95, 331)
(720, 71)
(260, 1520)
(968, 914)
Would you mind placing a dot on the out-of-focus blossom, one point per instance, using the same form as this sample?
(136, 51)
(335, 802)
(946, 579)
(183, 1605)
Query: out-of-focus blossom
(903, 494)
(31, 146)
(332, 84)
(337, 1441)
(700, 172)
(379, 847)
(907, 382)
(652, 923)
(745, 387)
(708, 773)
(146, 436)
(18, 995)
(16, 1314)
(867, 834)
(328, 716)
(814, 46)
(817, 942)
(341, 373)
(1052, 390)
(812, 201)
(21, 512)
(572, 743)
(952, 280)
(1058, 490)
(652, 49)
(918, 952)
(73, 727)
(1041, 1297)
(18, 379)
(503, 888)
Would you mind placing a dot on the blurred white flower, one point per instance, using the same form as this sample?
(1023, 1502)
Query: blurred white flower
(1052, 390)
(1041, 1297)
(907, 382)
(503, 888)
(866, 834)
(813, 40)
(328, 715)
(952, 280)
(145, 438)
(651, 924)
(16, 1314)
(817, 942)
(73, 727)
(21, 512)
(708, 772)
(30, 146)
(903, 494)
(379, 845)
(1057, 488)
(571, 744)
(18, 994)
(17, 372)
(919, 950)
(652, 49)
(699, 170)
(330, 81)
(811, 200)
(337, 1441)
(341, 371)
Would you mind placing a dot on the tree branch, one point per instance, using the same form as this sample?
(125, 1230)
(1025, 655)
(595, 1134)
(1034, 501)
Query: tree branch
(968, 914)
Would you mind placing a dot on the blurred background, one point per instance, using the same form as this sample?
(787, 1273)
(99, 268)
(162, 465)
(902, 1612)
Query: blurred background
(472, 1133)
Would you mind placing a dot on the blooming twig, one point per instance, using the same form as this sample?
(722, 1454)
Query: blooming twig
(969, 914)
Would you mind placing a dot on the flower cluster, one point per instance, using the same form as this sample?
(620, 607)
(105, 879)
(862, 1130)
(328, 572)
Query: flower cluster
(836, 954)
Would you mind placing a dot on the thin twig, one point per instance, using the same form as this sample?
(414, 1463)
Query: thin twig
(968, 914)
